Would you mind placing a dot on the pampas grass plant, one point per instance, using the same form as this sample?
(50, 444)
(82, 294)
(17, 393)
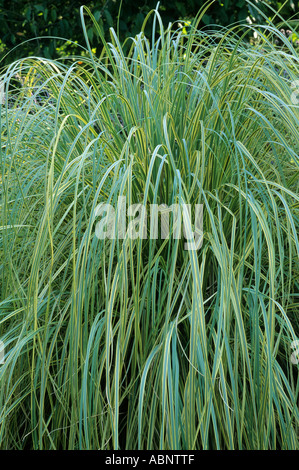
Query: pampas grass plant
(140, 344)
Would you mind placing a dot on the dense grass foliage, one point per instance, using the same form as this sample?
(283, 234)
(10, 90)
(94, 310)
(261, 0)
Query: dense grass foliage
(140, 343)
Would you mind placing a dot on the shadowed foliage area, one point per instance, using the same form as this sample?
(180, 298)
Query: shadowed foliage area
(53, 29)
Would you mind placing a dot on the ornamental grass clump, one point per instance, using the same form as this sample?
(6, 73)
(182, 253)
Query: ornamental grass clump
(138, 343)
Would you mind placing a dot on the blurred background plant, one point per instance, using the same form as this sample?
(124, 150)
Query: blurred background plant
(28, 24)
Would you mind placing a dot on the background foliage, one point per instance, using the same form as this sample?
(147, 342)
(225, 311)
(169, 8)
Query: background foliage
(25, 20)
